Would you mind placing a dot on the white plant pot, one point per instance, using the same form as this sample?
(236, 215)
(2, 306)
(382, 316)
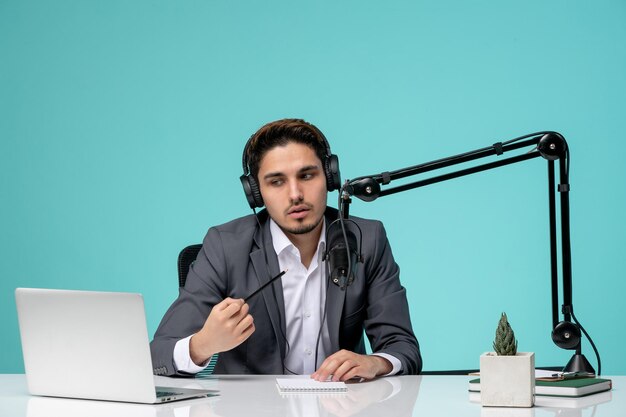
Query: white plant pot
(507, 381)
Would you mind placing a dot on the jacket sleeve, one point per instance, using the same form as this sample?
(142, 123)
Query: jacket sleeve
(205, 287)
(387, 322)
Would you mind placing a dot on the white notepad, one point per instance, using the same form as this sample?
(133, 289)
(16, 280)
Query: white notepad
(309, 385)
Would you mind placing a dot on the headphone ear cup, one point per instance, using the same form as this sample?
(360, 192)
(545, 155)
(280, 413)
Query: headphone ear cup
(252, 191)
(256, 192)
(333, 176)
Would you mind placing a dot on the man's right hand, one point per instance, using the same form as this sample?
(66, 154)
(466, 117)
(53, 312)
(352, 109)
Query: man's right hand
(228, 325)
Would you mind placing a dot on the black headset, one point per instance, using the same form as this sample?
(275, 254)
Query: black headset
(330, 165)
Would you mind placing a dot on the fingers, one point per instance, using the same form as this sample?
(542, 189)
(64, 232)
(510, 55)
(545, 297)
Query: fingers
(229, 306)
(345, 365)
(229, 324)
(347, 370)
(237, 323)
(246, 325)
(336, 366)
(234, 316)
(230, 312)
(246, 333)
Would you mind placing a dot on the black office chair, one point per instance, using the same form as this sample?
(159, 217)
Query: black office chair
(185, 259)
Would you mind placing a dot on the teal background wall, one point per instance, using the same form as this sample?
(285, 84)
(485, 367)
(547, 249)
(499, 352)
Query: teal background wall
(122, 125)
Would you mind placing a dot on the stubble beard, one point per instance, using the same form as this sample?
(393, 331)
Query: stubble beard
(303, 228)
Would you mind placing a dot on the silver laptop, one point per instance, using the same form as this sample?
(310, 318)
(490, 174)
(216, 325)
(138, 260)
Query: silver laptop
(88, 344)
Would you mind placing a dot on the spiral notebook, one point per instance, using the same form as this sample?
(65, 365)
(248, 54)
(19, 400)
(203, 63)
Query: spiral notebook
(309, 385)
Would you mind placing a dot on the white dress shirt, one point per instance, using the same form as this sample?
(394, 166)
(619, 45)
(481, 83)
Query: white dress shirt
(304, 292)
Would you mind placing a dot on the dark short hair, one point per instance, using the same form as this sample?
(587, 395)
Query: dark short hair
(280, 133)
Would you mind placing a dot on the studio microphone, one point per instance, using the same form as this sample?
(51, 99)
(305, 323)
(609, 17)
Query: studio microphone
(337, 255)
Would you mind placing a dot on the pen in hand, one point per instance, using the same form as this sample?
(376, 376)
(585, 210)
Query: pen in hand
(264, 285)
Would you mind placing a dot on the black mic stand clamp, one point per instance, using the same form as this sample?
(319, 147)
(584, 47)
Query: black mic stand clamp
(567, 335)
(345, 202)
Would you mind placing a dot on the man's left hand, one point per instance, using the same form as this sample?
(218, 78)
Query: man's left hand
(345, 365)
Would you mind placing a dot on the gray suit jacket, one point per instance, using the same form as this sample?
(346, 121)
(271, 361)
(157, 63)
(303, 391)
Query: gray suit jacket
(232, 263)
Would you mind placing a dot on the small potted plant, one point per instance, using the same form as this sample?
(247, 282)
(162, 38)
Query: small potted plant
(507, 377)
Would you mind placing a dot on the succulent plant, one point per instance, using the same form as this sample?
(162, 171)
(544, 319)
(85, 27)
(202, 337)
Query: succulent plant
(505, 343)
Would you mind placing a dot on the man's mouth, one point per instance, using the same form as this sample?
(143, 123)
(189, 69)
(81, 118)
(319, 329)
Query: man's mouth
(298, 211)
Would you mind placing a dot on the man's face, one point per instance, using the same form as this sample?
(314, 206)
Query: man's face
(293, 186)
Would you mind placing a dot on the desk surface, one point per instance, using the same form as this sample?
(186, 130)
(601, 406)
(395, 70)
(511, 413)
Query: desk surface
(258, 396)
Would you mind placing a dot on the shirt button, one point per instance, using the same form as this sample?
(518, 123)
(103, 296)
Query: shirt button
(307, 314)
(308, 351)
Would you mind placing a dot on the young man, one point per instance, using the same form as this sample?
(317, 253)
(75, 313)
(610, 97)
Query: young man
(301, 323)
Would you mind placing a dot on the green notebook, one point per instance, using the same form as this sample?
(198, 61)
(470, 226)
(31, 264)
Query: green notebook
(576, 387)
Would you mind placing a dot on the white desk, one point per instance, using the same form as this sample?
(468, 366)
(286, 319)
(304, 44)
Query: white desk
(257, 396)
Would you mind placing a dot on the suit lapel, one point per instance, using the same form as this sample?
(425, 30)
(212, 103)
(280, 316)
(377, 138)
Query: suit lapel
(274, 301)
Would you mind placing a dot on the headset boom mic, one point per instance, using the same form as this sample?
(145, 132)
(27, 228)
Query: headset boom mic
(338, 259)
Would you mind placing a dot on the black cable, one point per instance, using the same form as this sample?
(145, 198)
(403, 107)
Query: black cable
(593, 345)
(319, 333)
(327, 269)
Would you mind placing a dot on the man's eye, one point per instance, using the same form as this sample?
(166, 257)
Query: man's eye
(307, 176)
(276, 183)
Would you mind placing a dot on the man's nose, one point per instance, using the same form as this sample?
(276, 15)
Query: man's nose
(295, 191)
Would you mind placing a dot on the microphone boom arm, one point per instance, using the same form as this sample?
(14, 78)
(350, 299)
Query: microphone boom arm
(549, 145)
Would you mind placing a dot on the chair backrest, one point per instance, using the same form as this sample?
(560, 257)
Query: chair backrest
(185, 259)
